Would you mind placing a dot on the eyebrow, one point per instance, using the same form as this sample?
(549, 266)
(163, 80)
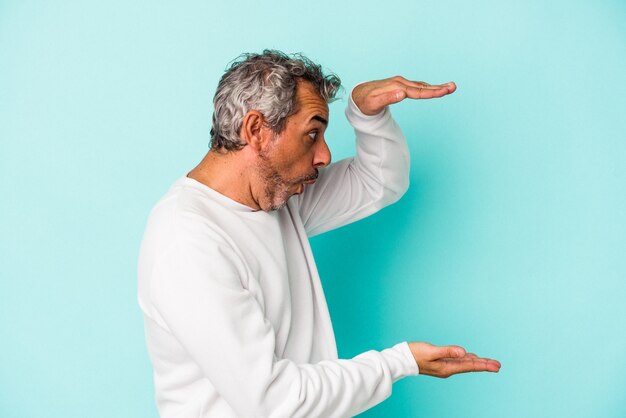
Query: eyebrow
(320, 119)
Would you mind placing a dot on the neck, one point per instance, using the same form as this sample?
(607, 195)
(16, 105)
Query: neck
(228, 173)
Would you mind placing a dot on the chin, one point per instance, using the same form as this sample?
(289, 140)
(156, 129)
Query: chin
(277, 199)
(274, 205)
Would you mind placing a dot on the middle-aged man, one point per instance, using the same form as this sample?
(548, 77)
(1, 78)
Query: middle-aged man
(235, 316)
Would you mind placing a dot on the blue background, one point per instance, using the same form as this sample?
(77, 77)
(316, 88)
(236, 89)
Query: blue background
(510, 242)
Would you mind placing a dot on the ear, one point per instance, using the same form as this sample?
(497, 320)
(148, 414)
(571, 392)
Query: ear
(254, 132)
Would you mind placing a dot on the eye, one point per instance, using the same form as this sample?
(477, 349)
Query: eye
(313, 135)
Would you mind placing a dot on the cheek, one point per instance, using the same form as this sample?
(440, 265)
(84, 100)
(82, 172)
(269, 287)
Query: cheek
(303, 165)
(297, 162)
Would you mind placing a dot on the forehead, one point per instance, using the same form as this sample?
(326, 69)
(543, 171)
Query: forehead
(310, 103)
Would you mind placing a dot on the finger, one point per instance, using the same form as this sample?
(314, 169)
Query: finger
(428, 92)
(412, 83)
(408, 83)
(489, 361)
(471, 355)
(401, 92)
(493, 363)
(400, 88)
(450, 86)
(471, 364)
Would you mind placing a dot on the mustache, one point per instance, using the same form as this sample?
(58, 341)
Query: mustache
(313, 176)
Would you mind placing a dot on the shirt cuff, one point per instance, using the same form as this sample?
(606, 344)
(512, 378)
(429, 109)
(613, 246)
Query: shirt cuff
(401, 361)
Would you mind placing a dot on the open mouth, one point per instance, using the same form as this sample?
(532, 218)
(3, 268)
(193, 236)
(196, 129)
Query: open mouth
(307, 180)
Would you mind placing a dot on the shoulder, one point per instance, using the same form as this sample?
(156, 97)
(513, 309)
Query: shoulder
(185, 230)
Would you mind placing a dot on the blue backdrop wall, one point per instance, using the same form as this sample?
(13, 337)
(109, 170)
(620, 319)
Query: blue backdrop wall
(510, 242)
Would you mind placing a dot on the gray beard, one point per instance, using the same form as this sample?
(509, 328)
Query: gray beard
(276, 186)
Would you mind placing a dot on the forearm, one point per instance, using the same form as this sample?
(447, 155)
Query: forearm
(235, 351)
(335, 388)
(382, 159)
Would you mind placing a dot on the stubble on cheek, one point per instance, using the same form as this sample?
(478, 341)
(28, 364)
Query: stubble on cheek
(275, 187)
(278, 189)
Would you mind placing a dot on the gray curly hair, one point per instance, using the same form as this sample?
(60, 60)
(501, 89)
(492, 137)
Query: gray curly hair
(267, 83)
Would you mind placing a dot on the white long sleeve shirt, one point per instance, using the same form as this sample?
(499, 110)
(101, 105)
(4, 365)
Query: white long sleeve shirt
(236, 320)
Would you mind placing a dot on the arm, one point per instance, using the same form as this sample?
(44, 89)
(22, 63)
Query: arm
(354, 188)
(200, 293)
(206, 304)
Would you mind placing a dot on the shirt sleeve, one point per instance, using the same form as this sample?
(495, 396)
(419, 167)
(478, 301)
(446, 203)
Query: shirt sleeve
(206, 304)
(354, 188)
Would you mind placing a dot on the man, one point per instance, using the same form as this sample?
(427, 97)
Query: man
(235, 315)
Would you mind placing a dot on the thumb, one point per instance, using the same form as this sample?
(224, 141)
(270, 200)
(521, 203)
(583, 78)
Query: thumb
(390, 97)
(396, 96)
(449, 351)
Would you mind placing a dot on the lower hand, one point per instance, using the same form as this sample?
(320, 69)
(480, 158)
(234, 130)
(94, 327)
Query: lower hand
(449, 360)
(372, 97)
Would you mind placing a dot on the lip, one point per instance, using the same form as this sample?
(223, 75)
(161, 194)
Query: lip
(308, 182)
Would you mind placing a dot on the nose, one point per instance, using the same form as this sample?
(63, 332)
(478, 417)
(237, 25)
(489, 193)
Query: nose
(322, 155)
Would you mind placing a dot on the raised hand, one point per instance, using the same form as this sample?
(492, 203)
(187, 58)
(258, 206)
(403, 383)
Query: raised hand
(449, 360)
(372, 97)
